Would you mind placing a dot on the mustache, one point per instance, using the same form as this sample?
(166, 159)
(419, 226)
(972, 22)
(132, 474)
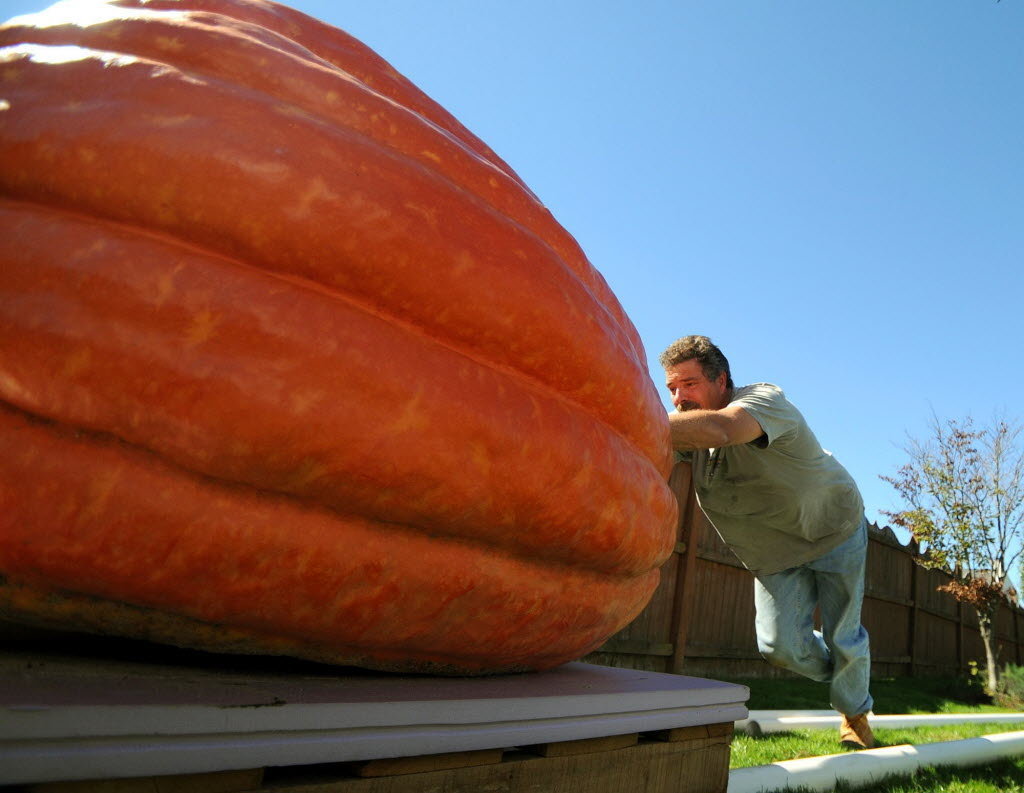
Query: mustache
(682, 407)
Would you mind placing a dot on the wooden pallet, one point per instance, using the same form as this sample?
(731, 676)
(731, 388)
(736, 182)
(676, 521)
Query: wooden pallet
(683, 760)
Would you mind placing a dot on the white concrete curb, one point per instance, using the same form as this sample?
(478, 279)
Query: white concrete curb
(759, 722)
(872, 765)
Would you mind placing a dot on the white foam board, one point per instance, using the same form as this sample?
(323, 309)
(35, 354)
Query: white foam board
(75, 719)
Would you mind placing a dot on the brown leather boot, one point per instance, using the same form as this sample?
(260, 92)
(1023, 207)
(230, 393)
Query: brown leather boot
(854, 732)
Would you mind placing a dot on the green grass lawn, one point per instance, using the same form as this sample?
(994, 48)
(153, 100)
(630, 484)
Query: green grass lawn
(905, 695)
(900, 695)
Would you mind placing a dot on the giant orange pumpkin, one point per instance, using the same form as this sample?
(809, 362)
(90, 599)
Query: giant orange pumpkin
(291, 362)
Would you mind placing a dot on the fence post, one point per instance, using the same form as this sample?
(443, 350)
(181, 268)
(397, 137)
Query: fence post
(914, 606)
(1016, 633)
(681, 484)
(961, 660)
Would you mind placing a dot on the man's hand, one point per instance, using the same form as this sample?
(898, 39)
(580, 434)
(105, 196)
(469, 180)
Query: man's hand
(712, 429)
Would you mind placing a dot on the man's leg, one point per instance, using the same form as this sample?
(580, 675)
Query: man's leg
(839, 655)
(785, 604)
(840, 584)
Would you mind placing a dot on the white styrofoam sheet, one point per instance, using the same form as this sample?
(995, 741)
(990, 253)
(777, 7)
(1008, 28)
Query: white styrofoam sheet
(63, 721)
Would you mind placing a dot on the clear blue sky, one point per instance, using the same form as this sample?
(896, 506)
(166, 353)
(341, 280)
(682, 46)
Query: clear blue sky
(832, 191)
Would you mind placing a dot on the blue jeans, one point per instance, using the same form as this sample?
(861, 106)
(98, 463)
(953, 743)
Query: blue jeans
(839, 653)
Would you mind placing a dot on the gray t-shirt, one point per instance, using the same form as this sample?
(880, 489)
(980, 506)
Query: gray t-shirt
(782, 500)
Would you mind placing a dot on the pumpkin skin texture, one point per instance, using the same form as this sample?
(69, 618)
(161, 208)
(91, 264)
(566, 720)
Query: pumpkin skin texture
(291, 362)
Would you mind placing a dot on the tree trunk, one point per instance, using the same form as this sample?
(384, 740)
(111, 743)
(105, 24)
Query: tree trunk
(986, 626)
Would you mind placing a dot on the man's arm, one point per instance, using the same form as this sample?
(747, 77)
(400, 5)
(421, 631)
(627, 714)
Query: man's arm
(711, 429)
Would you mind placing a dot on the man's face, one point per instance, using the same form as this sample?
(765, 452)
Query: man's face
(691, 390)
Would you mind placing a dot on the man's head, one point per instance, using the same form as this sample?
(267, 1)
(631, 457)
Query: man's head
(696, 374)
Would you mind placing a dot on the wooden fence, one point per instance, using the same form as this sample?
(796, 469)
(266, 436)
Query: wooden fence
(701, 619)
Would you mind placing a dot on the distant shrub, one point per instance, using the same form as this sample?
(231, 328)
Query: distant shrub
(1009, 691)
(970, 687)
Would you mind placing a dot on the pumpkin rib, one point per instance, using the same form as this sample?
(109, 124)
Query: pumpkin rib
(125, 336)
(340, 49)
(223, 554)
(54, 609)
(226, 50)
(423, 242)
(85, 435)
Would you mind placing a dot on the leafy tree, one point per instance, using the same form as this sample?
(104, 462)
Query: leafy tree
(963, 494)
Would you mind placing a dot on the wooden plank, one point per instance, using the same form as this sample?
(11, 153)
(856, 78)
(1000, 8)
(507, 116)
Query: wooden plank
(216, 782)
(709, 651)
(697, 771)
(395, 766)
(605, 743)
(725, 558)
(636, 647)
(892, 659)
(648, 767)
(710, 732)
(896, 601)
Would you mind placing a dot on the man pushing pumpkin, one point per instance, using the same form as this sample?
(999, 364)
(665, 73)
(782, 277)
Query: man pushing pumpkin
(789, 511)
